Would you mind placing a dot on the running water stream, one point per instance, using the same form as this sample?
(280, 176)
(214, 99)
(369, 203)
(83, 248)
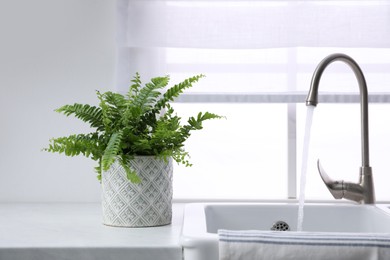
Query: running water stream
(305, 155)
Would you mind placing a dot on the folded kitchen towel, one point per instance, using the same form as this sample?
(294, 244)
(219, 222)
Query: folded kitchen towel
(275, 245)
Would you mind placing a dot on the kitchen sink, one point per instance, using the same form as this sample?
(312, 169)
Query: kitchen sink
(203, 220)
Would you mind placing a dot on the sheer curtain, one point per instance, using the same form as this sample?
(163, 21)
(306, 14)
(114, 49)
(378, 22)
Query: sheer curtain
(145, 26)
(258, 57)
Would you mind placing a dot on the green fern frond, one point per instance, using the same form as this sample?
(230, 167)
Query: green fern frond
(166, 135)
(85, 144)
(98, 170)
(197, 123)
(175, 91)
(160, 82)
(208, 116)
(181, 156)
(135, 87)
(148, 95)
(116, 100)
(109, 116)
(112, 150)
(87, 113)
(130, 173)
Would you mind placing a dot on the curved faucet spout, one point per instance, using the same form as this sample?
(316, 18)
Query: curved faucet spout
(364, 190)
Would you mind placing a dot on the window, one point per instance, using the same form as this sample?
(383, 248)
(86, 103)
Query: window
(259, 57)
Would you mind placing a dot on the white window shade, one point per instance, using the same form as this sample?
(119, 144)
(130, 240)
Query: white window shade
(148, 28)
(256, 24)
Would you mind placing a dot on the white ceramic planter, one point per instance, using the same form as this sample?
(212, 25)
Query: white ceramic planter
(138, 205)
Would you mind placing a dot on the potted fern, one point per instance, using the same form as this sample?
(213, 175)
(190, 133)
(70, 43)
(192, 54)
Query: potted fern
(135, 139)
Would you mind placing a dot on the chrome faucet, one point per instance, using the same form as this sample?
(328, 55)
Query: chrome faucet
(362, 192)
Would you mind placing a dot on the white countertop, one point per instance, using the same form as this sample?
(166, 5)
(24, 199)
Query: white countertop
(75, 231)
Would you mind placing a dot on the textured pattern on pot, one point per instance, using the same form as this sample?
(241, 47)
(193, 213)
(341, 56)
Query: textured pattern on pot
(146, 204)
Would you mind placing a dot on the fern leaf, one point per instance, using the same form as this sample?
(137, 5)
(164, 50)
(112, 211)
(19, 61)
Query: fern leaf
(181, 156)
(116, 100)
(161, 82)
(197, 123)
(98, 170)
(208, 116)
(135, 87)
(130, 173)
(175, 91)
(108, 118)
(85, 144)
(87, 113)
(112, 150)
(147, 96)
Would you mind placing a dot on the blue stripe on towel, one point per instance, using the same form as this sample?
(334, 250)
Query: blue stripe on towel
(338, 237)
(305, 244)
(303, 238)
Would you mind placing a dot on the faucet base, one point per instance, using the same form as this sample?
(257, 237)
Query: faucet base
(367, 183)
(362, 192)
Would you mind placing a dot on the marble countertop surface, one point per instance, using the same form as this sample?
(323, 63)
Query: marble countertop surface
(75, 231)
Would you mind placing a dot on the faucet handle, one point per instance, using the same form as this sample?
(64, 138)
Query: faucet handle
(336, 188)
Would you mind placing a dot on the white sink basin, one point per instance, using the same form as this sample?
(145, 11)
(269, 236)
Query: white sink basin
(202, 221)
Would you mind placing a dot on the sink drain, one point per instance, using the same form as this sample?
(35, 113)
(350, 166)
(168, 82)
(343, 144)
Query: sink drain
(280, 226)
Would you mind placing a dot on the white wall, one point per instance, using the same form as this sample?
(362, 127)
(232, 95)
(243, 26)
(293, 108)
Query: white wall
(52, 52)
